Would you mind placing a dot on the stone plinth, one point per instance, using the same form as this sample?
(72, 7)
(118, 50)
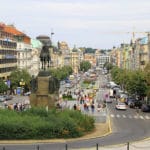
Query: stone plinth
(42, 97)
(43, 100)
(43, 85)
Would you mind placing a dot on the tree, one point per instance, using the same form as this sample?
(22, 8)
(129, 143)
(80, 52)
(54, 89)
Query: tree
(85, 66)
(132, 81)
(108, 66)
(61, 73)
(136, 83)
(147, 79)
(18, 75)
(3, 86)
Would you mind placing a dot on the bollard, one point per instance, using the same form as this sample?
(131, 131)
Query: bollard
(4, 148)
(128, 146)
(38, 147)
(66, 147)
(97, 146)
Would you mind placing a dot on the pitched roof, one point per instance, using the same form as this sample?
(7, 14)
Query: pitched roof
(12, 30)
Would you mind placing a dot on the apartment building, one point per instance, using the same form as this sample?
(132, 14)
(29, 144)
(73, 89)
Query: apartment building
(8, 52)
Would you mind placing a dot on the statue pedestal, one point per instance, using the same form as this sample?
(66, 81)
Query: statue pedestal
(42, 98)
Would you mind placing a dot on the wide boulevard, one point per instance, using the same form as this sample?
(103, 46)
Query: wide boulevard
(127, 126)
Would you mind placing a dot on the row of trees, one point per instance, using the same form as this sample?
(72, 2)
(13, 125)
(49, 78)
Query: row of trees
(135, 82)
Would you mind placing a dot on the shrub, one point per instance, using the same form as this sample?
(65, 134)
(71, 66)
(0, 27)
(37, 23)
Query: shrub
(37, 123)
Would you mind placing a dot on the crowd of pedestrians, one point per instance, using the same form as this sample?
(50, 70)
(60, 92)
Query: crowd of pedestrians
(83, 101)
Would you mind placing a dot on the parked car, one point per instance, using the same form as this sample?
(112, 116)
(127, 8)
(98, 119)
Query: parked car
(8, 97)
(133, 103)
(68, 85)
(2, 98)
(121, 106)
(145, 108)
(27, 93)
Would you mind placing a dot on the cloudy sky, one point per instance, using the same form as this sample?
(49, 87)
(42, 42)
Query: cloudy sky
(89, 23)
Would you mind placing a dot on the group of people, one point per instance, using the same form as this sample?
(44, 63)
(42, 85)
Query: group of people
(84, 101)
(17, 106)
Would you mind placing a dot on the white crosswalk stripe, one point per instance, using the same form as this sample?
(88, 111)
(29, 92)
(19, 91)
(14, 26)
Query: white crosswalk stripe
(141, 117)
(136, 117)
(118, 116)
(146, 117)
(124, 116)
(112, 115)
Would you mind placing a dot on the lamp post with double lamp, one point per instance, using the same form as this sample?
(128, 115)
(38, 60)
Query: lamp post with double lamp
(22, 84)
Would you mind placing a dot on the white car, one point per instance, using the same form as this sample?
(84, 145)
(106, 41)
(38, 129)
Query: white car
(27, 93)
(68, 85)
(121, 106)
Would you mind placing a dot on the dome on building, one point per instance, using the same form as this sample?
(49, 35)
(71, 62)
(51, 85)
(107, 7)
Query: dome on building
(36, 43)
(44, 39)
(74, 49)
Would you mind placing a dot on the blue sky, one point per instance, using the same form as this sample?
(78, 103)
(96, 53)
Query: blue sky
(89, 23)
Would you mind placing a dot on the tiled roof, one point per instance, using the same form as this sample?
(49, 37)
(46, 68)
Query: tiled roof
(12, 30)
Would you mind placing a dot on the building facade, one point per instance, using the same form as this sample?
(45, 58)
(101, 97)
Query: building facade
(8, 52)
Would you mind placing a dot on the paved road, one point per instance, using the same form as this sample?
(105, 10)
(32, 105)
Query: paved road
(127, 126)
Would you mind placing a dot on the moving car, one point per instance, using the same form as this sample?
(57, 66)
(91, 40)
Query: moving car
(121, 106)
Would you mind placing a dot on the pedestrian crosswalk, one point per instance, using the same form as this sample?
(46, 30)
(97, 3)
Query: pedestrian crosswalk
(143, 117)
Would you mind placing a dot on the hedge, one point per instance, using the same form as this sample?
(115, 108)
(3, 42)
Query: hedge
(37, 123)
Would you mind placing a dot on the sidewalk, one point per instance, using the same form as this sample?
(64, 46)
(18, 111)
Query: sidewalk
(138, 145)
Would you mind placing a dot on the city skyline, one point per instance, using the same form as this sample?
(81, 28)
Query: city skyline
(98, 24)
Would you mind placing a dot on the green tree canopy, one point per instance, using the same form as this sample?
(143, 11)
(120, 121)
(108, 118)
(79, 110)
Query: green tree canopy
(147, 79)
(132, 81)
(3, 86)
(136, 83)
(85, 66)
(19, 75)
(108, 66)
(61, 73)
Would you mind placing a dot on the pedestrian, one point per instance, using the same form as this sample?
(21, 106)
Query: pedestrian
(99, 107)
(92, 107)
(5, 104)
(75, 107)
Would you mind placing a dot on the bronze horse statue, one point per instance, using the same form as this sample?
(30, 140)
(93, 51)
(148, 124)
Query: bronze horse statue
(45, 57)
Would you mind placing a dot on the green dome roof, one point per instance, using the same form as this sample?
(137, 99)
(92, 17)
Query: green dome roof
(36, 43)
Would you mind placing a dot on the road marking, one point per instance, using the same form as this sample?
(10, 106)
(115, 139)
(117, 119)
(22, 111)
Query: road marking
(147, 117)
(112, 115)
(141, 117)
(136, 117)
(118, 116)
(129, 116)
(124, 116)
